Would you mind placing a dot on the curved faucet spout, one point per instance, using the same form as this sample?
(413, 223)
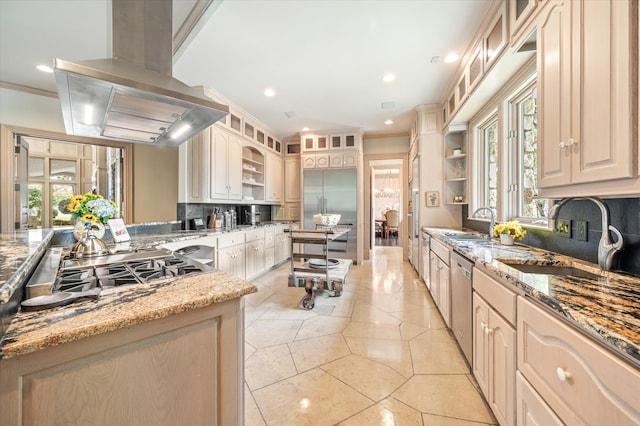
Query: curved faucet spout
(493, 218)
(606, 247)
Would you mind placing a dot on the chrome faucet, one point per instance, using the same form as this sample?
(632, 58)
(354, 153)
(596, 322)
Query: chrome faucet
(493, 218)
(606, 248)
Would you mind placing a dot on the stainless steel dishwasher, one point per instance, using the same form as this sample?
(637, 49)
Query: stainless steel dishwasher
(461, 303)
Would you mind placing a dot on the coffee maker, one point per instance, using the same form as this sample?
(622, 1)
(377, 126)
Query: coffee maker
(248, 215)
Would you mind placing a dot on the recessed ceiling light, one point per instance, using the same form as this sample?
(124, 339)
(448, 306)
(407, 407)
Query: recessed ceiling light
(305, 129)
(44, 68)
(269, 92)
(451, 57)
(388, 122)
(388, 78)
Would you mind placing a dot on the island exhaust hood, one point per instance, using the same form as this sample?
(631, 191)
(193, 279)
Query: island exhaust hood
(125, 101)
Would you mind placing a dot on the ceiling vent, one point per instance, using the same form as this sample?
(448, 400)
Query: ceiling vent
(388, 105)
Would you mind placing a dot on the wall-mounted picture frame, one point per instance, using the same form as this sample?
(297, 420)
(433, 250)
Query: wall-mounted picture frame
(432, 198)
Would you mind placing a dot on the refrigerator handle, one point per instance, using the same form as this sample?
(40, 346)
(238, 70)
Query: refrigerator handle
(324, 205)
(319, 205)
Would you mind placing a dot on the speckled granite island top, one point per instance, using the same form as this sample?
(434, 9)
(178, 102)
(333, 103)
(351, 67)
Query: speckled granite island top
(119, 307)
(606, 308)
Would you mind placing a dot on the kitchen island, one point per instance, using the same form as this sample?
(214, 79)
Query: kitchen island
(168, 351)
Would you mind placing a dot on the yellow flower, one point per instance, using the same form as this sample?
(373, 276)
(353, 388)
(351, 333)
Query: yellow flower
(512, 228)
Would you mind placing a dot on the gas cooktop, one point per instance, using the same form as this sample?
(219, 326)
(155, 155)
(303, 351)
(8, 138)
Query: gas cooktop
(58, 272)
(82, 278)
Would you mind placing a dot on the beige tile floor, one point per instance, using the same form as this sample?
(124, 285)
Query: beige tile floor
(379, 354)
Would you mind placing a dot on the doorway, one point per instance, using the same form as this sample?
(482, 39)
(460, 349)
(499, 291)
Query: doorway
(385, 188)
(65, 175)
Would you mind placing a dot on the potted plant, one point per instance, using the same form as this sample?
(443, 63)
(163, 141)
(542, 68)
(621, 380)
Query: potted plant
(509, 231)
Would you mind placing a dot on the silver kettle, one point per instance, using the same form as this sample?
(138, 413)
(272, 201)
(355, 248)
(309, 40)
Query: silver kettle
(89, 245)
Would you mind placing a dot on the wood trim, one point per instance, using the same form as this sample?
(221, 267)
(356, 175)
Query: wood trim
(7, 133)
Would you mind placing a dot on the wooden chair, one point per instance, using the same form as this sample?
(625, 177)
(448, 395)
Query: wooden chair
(392, 223)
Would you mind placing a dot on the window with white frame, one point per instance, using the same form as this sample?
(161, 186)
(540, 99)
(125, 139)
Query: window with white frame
(488, 143)
(523, 116)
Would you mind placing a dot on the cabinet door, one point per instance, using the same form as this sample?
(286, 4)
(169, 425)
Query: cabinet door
(554, 96)
(532, 410)
(480, 343)
(502, 368)
(433, 276)
(445, 293)
(603, 68)
(219, 154)
(336, 160)
(197, 151)
(254, 258)
(350, 159)
(292, 180)
(234, 168)
(274, 178)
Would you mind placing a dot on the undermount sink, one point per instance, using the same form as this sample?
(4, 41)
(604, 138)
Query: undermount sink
(553, 270)
(466, 236)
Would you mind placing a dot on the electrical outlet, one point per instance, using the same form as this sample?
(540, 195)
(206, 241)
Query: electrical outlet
(581, 230)
(563, 228)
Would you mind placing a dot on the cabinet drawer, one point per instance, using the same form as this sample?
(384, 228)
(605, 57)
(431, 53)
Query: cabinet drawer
(441, 250)
(502, 299)
(230, 239)
(254, 234)
(581, 381)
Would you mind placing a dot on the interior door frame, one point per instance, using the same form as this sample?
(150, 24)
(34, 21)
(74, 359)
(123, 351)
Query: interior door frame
(403, 158)
(8, 135)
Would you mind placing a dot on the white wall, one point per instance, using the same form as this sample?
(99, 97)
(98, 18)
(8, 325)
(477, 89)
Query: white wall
(28, 110)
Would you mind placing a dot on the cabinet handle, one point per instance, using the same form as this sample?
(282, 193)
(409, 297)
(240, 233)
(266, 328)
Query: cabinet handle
(488, 331)
(483, 325)
(562, 145)
(571, 142)
(562, 375)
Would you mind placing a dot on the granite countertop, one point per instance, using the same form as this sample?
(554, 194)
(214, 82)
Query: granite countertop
(606, 308)
(117, 307)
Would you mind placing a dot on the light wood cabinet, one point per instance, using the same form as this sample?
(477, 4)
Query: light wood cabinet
(494, 359)
(531, 408)
(494, 345)
(292, 182)
(183, 369)
(226, 166)
(520, 14)
(198, 171)
(319, 161)
(440, 282)
(255, 253)
(274, 178)
(230, 254)
(580, 381)
(587, 94)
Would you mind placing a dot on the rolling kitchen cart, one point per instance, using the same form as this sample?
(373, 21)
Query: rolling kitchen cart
(317, 271)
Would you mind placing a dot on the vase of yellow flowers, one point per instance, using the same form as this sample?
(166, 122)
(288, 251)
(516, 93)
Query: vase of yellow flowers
(90, 210)
(508, 232)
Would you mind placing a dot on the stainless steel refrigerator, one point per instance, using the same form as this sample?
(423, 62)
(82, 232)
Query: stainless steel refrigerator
(332, 191)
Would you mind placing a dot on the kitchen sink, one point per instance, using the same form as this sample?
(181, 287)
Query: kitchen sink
(562, 270)
(466, 237)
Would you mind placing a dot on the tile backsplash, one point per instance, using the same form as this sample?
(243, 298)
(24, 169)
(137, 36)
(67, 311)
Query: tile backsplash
(624, 214)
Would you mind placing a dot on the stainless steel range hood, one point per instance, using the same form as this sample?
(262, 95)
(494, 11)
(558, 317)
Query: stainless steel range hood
(133, 97)
(112, 99)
